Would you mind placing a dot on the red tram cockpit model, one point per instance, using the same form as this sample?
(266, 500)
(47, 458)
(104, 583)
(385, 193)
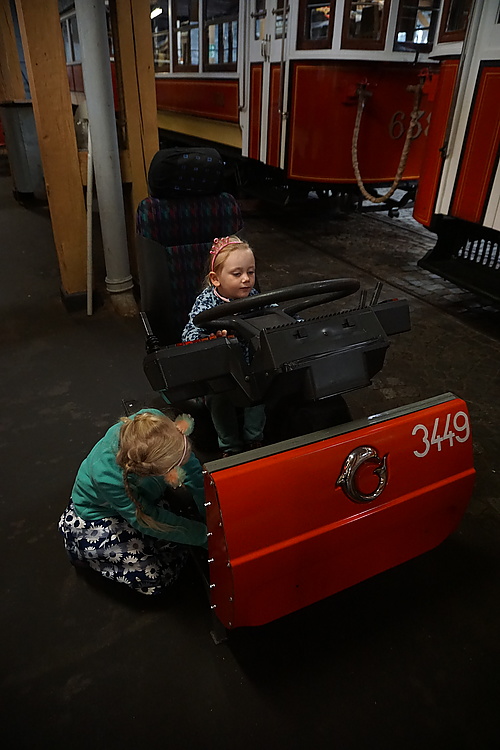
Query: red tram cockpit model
(300, 519)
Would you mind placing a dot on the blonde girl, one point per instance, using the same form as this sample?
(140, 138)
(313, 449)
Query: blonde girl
(118, 521)
(231, 276)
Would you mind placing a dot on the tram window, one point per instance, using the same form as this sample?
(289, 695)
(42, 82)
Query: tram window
(75, 40)
(186, 34)
(454, 20)
(365, 24)
(315, 28)
(416, 25)
(161, 39)
(258, 15)
(67, 41)
(221, 34)
(281, 13)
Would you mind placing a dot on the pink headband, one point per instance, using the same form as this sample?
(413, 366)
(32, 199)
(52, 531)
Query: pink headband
(220, 244)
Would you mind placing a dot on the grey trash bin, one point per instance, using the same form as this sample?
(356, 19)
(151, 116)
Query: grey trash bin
(22, 148)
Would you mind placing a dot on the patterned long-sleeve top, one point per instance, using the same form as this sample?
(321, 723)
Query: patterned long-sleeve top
(204, 301)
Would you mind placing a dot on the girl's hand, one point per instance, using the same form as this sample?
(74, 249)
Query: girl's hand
(221, 334)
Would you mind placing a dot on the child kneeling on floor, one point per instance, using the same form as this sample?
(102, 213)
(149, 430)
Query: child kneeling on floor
(118, 520)
(231, 276)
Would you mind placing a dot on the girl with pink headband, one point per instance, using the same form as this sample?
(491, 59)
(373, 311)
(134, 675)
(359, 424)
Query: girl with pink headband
(118, 521)
(231, 276)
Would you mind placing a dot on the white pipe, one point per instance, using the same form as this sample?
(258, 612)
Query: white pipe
(91, 19)
(90, 180)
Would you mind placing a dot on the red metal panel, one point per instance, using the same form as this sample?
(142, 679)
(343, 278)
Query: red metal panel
(480, 153)
(255, 110)
(323, 112)
(284, 535)
(69, 73)
(77, 77)
(274, 119)
(432, 161)
(216, 99)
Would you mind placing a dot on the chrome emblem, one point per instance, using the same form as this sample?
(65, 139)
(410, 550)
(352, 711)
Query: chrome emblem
(347, 478)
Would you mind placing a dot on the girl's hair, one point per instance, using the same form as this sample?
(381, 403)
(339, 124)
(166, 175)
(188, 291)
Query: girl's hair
(149, 445)
(221, 248)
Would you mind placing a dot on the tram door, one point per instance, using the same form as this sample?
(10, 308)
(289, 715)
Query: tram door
(265, 78)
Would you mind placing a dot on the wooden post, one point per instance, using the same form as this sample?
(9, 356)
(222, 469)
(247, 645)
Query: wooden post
(11, 78)
(46, 65)
(134, 65)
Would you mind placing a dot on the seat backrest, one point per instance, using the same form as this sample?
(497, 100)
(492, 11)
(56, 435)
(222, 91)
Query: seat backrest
(174, 238)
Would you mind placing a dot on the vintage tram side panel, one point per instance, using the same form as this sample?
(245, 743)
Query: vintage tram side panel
(312, 87)
(287, 85)
(324, 88)
(459, 195)
(474, 124)
(227, 75)
(269, 41)
(197, 87)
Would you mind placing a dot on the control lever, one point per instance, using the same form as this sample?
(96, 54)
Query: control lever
(152, 342)
(376, 293)
(362, 299)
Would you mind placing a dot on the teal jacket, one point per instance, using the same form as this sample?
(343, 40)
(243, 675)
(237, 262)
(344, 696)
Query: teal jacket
(99, 492)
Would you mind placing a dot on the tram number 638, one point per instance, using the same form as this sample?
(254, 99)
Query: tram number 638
(397, 128)
(461, 433)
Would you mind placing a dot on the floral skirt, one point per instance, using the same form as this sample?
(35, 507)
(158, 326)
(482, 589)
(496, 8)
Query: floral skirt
(112, 547)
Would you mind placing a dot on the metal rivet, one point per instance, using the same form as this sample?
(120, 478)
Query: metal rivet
(212, 585)
(209, 533)
(230, 598)
(211, 559)
(207, 504)
(213, 606)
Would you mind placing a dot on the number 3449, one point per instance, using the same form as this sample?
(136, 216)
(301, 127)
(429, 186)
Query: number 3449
(455, 428)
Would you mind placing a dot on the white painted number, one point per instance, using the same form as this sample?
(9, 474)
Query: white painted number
(397, 127)
(460, 432)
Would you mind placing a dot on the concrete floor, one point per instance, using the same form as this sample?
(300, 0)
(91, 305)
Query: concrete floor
(408, 659)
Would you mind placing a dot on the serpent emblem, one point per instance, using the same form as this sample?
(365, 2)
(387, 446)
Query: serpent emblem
(347, 478)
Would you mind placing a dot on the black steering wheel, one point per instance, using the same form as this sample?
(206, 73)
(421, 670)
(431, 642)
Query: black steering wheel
(316, 292)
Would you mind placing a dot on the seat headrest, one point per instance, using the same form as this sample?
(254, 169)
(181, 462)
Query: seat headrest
(185, 171)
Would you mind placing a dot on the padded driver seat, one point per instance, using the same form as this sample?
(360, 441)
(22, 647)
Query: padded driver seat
(174, 235)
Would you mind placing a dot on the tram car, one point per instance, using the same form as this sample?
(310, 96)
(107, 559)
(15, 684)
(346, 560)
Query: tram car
(459, 190)
(304, 95)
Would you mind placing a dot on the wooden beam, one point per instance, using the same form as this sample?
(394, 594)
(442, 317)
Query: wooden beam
(11, 77)
(46, 65)
(136, 80)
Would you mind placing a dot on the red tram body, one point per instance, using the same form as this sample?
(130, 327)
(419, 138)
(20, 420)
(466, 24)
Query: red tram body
(278, 84)
(459, 190)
